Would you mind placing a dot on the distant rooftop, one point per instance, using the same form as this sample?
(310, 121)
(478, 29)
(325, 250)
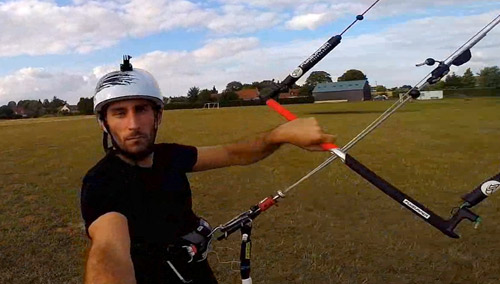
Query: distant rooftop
(340, 86)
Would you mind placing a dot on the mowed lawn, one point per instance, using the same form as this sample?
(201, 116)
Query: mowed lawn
(333, 228)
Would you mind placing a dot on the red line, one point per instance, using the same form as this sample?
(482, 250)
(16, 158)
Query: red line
(290, 116)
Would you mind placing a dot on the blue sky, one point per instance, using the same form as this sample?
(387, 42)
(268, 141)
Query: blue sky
(60, 48)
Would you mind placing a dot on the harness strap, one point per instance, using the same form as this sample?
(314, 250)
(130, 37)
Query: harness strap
(245, 252)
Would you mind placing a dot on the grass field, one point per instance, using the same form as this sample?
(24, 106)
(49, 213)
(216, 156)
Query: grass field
(334, 228)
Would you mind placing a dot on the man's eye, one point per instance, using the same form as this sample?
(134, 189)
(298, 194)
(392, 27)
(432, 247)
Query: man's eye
(119, 114)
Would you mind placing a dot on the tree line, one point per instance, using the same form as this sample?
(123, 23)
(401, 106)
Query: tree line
(488, 77)
(39, 108)
(31, 108)
(197, 95)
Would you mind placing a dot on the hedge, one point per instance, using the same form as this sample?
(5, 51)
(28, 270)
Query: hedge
(239, 103)
(475, 92)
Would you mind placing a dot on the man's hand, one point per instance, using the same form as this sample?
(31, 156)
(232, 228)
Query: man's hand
(302, 132)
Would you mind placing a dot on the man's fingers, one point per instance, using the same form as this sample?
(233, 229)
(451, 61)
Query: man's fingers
(328, 138)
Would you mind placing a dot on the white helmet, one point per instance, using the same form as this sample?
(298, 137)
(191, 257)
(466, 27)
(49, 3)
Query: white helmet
(128, 83)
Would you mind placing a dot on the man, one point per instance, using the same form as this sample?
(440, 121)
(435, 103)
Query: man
(136, 201)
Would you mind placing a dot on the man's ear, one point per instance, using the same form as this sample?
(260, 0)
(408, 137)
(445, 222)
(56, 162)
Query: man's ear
(101, 124)
(160, 115)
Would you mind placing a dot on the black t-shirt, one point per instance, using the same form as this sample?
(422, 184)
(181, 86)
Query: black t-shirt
(156, 202)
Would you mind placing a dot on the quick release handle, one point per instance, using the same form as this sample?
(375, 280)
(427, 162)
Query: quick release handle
(290, 116)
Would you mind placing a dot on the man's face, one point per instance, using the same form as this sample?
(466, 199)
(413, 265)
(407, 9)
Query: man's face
(132, 124)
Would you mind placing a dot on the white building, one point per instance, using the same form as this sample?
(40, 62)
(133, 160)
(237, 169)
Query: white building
(430, 95)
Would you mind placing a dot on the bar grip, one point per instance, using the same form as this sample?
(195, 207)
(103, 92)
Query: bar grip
(290, 116)
(281, 110)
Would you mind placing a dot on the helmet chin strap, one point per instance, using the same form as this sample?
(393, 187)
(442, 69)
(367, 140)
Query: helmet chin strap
(116, 148)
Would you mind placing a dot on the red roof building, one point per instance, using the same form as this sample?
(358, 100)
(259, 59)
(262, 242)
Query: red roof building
(248, 94)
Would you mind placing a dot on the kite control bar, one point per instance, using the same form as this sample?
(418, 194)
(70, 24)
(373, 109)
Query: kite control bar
(445, 226)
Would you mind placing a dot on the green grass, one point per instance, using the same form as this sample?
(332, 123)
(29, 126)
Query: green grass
(333, 228)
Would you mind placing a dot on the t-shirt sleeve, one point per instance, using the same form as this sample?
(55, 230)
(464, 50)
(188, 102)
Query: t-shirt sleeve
(182, 157)
(98, 197)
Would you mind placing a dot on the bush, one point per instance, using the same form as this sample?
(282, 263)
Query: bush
(476, 92)
(238, 103)
(184, 105)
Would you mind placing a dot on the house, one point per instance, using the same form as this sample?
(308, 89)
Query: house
(248, 94)
(68, 109)
(358, 90)
(20, 111)
(293, 93)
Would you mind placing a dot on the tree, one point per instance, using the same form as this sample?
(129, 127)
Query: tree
(32, 108)
(317, 77)
(489, 77)
(352, 75)
(12, 105)
(234, 86)
(6, 112)
(193, 93)
(52, 106)
(401, 90)
(229, 96)
(267, 84)
(314, 78)
(205, 96)
(380, 88)
(453, 81)
(306, 90)
(468, 80)
(46, 103)
(437, 87)
(86, 106)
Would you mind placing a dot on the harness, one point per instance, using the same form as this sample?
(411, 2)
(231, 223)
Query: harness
(192, 247)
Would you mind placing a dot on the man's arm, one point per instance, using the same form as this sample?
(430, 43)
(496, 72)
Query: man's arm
(304, 133)
(109, 258)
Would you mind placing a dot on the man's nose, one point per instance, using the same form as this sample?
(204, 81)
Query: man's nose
(133, 122)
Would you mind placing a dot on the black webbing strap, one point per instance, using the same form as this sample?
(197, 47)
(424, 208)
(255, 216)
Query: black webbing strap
(245, 252)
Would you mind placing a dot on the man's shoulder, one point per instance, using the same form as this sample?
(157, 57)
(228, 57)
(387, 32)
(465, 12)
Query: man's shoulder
(176, 155)
(171, 147)
(173, 150)
(105, 168)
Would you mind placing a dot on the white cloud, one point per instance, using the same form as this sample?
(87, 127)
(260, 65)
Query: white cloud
(36, 27)
(307, 21)
(222, 47)
(387, 57)
(240, 19)
(37, 83)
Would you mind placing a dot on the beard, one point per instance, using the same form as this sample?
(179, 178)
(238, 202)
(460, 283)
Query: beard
(137, 145)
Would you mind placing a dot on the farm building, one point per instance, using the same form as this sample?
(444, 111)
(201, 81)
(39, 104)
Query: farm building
(342, 91)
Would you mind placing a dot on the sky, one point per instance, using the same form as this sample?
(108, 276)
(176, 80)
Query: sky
(61, 48)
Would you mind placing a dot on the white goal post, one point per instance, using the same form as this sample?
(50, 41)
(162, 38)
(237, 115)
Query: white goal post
(211, 105)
